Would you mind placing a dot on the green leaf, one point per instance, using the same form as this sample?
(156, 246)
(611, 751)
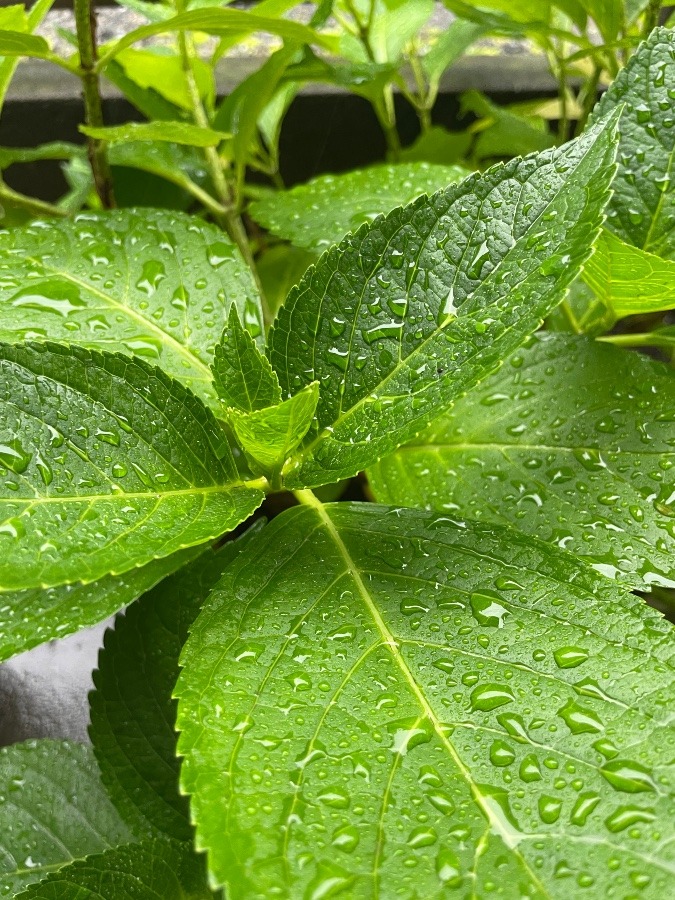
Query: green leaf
(147, 871)
(161, 70)
(132, 712)
(270, 435)
(53, 809)
(628, 280)
(156, 284)
(220, 22)
(19, 19)
(438, 146)
(52, 150)
(642, 209)
(398, 704)
(18, 43)
(108, 463)
(178, 164)
(448, 46)
(321, 212)
(279, 268)
(412, 310)
(588, 472)
(33, 617)
(172, 132)
(503, 133)
(243, 377)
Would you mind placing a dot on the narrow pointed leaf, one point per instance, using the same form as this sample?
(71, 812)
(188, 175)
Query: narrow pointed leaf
(270, 435)
(243, 377)
(571, 441)
(628, 280)
(388, 702)
(155, 284)
(35, 616)
(107, 464)
(320, 213)
(149, 870)
(132, 712)
(53, 809)
(412, 310)
(221, 22)
(642, 208)
(172, 132)
(18, 43)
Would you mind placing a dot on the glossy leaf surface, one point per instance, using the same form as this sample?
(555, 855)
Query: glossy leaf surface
(642, 209)
(412, 310)
(154, 284)
(152, 870)
(243, 377)
(270, 435)
(628, 280)
(132, 713)
(321, 212)
(53, 809)
(29, 618)
(107, 464)
(385, 702)
(571, 441)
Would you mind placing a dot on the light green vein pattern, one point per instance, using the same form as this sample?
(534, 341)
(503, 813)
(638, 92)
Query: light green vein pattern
(382, 702)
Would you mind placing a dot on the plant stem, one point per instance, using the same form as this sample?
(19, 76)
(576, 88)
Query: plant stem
(651, 19)
(85, 21)
(590, 98)
(643, 339)
(228, 216)
(39, 207)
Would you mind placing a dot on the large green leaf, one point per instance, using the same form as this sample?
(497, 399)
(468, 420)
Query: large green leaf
(571, 441)
(157, 284)
(53, 809)
(642, 209)
(628, 280)
(132, 713)
(321, 212)
(152, 870)
(412, 310)
(29, 618)
(107, 464)
(386, 702)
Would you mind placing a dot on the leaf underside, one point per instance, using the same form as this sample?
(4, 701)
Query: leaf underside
(107, 463)
(572, 442)
(412, 310)
(155, 284)
(384, 702)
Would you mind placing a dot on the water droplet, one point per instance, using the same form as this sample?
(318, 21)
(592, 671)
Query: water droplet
(487, 609)
(338, 358)
(152, 274)
(584, 806)
(334, 797)
(580, 720)
(570, 657)
(422, 836)
(14, 456)
(529, 769)
(549, 809)
(448, 868)
(630, 777)
(501, 754)
(625, 816)
(13, 528)
(346, 838)
(490, 696)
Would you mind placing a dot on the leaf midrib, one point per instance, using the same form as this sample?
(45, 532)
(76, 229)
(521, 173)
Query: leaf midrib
(166, 338)
(389, 640)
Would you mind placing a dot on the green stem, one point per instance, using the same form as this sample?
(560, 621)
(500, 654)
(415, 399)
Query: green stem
(85, 21)
(39, 207)
(643, 339)
(651, 19)
(227, 213)
(590, 98)
(569, 315)
(423, 100)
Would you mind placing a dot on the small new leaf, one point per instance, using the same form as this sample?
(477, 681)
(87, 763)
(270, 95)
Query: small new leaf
(243, 377)
(108, 463)
(270, 435)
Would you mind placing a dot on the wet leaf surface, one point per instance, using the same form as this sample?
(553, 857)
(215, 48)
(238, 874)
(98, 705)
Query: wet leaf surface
(379, 702)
